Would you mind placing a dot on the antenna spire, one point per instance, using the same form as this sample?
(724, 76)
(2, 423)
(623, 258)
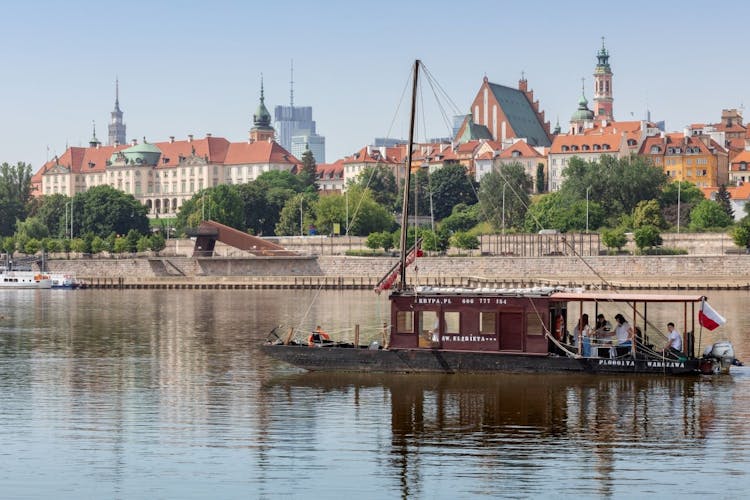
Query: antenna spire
(291, 87)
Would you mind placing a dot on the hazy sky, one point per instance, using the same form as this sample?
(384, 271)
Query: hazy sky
(194, 67)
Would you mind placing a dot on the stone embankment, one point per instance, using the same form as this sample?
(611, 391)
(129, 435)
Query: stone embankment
(672, 272)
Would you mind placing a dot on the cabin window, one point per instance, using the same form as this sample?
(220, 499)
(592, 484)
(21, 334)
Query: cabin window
(487, 322)
(452, 322)
(429, 328)
(534, 324)
(405, 322)
(428, 322)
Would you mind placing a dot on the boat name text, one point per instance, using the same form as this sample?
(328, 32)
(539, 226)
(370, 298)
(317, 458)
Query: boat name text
(462, 300)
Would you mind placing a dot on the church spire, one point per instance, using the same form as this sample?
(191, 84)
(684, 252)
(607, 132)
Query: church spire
(262, 129)
(116, 125)
(94, 142)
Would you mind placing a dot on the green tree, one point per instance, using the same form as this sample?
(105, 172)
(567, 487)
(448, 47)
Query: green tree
(435, 241)
(504, 196)
(297, 210)
(724, 199)
(365, 215)
(308, 172)
(15, 195)
(541, 182)
(120, 245)
(32, 246)
(132, 238)
(143, 244)
(52, 211)
(614, 238)
(78, 245)
(9, 245)
(683, 191)
(648, 213)
(741, 235)
(462, 218)
(158, 243)
(616, 184)
(647, 237)
(264, 198)
(380, 239)
(708, 214)
(382, 184)
(450, 185)
(222, 204)
(103, 209)
(464, 241)
(32, 227)
(98, 245)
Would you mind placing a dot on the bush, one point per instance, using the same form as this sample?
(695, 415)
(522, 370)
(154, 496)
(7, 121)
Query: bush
(664, 251)
(381, 239)
(464, 241)
(363, 253)
(32, 246)
(614, 238)
(98, 245)
(647, 237)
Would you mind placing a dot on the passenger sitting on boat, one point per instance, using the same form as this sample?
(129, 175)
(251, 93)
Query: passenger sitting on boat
(603, 328)
(582, 331)
(318, 336)
(674, 341)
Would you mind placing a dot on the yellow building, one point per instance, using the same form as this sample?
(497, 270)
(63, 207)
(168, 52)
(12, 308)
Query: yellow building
(697, 159)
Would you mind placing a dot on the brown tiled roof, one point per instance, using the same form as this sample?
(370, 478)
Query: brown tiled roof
(258, 152)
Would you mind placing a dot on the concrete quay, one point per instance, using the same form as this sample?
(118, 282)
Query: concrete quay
(682, 272)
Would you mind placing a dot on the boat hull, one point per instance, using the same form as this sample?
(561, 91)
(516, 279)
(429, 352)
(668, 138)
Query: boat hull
(338, 358)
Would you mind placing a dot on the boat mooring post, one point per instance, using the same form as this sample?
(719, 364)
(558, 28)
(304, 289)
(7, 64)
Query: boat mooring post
(356, 336)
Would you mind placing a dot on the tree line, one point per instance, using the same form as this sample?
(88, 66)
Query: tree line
(611, 195)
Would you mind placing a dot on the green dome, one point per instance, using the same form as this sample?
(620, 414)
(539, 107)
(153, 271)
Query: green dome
(142, 154)
(583, 112)
(262, 118)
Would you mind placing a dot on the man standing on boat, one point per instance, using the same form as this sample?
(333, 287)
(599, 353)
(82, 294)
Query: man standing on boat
(674, 340)
(623, 334)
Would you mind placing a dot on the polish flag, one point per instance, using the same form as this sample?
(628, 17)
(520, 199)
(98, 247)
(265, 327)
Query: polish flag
(709, 318)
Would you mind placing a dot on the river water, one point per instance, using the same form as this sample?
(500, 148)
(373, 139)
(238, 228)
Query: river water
(165, 394)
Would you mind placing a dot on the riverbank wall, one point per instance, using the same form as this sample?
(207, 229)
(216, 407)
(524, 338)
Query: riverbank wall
(673, 272)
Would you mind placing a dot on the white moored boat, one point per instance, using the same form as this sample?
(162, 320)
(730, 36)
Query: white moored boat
(24, 279)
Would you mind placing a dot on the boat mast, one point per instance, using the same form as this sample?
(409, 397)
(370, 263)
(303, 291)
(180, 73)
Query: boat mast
(407, 178)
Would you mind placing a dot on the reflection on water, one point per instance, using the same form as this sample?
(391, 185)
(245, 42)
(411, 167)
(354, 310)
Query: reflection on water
(152, 394)
(545, 434)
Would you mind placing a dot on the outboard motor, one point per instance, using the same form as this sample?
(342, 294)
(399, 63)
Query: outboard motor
(717, 358)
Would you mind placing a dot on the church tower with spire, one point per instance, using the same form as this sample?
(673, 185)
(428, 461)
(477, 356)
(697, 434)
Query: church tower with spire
(116, 125)
(262, 129)
(603, 86)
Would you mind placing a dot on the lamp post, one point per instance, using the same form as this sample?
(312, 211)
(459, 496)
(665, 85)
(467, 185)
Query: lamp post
(346, 200)
(587, 208)
(504, 185)
(301, 230)
(679, 185)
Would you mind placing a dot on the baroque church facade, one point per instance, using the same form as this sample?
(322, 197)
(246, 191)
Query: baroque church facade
(163, 175)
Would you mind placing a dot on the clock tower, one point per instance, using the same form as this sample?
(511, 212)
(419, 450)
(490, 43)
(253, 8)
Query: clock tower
(116, 126)
(603, 86)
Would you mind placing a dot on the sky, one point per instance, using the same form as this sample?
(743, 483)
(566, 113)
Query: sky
(189, 67)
